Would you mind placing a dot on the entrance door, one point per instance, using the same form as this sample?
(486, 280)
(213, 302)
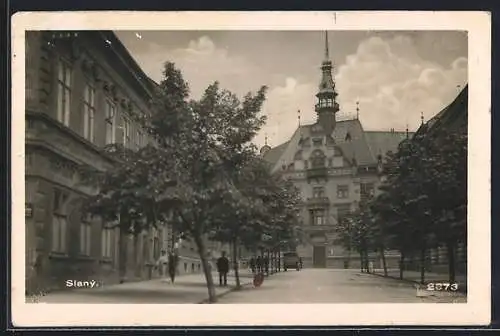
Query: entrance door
(319, 256)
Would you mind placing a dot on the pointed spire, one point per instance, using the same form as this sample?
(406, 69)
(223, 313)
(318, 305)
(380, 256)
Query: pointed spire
(357, 109)
(327, 53)
(422, 117)
(407, 134)
(265, 140)
(298, 116)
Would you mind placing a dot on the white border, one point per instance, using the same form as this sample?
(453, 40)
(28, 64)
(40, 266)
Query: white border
(475, 311)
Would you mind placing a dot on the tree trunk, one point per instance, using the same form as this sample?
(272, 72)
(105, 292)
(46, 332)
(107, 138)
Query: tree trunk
(450, 251)
(207, 270)
(236, 266)
(361, 261)
(401, 265)
(384, 262)
(422, 265)
(122, 258)
(136, 256)
(367, 261)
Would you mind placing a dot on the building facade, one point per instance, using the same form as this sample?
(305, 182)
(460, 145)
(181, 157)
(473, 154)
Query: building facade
(81, 89)
(335, 165)
(453, 117)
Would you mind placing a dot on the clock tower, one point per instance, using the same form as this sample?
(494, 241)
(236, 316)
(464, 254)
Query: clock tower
(326, 106)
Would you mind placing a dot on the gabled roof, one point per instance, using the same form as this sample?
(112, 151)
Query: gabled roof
(273, 155)
(349, 137)
(454, 115)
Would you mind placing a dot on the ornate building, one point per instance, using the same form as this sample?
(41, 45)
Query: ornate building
(335, 164)
(81, 88)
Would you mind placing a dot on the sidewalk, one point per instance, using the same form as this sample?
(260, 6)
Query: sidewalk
(414, 276)
(189, 289)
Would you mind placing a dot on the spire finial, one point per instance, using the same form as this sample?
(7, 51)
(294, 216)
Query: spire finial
(327, 54)
(407, 135)
(422, 117)
(265, 140)
(357, 109)
(298, 116)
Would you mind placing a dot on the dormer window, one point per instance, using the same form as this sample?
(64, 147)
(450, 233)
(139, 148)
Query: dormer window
(317, 142)
(348, 137)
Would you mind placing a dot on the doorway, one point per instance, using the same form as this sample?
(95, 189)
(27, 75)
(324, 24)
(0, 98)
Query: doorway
(319, 256)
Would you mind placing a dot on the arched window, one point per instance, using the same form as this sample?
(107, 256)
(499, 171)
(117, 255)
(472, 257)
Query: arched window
(318, 158)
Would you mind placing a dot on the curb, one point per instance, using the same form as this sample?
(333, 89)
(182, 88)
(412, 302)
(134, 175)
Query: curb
(460, 290)
(218, 296)
(243, 285)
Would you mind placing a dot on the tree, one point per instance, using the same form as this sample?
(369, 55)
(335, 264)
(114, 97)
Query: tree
(130, 195)
(197, 146)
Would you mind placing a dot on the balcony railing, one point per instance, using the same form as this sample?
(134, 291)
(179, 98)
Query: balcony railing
(318, 202)
(321, 172)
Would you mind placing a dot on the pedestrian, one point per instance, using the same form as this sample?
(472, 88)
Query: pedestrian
(173, 260)
(161, 264)
(300, 263)
(223, 269)
(259, 264)
(252, 264)
(266, 264)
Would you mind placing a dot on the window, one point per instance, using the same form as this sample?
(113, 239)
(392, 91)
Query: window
(88, 112)
(367, 190)
(63, 92)
(85, 236)
(110, 122)
(318, 192)
(317, 142)
(126, 131)
(318, 159)
(106, 242)
(343, 211)
(59, 222)
(318, 217)
(342, 191)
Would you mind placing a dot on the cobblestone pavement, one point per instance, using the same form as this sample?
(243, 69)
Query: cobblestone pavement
(335, 286)
(187, 289)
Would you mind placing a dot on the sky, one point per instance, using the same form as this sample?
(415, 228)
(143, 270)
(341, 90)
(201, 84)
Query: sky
(395, 75)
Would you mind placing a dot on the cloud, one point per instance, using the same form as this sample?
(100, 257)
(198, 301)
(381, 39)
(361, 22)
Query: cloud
(389, 78)
(394, 85)
(202, 63)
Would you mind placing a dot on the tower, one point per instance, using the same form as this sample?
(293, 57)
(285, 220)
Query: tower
(327, 106)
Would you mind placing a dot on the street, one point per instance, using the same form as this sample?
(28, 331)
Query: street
(306, 286)
(332, 286)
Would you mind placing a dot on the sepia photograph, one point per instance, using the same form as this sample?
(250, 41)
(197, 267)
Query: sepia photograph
(251, 166)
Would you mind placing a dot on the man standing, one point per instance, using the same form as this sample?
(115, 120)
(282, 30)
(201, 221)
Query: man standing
(266, 264)
(223, 269)
(252, 264)
(259, 264)
(173, 260)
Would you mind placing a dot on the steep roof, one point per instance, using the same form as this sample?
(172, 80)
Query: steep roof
(382, 142)
(273, 155)
(454, 115)
(349, 137)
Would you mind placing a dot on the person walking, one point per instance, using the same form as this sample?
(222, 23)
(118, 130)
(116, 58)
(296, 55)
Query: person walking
(252, 264)
(266, 265)
(223, 269)
(259, 264)
(173, 260)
